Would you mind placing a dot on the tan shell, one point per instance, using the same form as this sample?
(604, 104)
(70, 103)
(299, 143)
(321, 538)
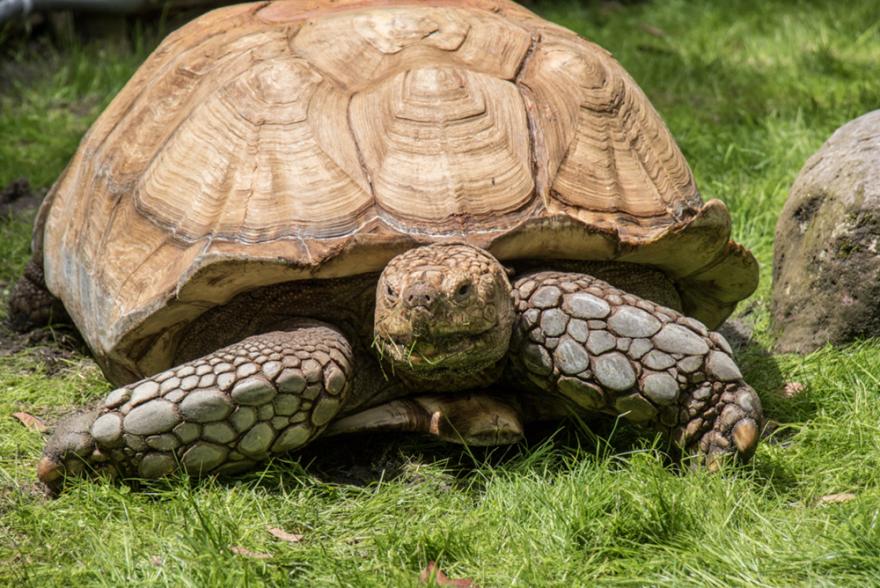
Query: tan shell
(277, 141)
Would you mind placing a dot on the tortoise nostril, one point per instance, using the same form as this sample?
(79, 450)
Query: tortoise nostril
(420, 295)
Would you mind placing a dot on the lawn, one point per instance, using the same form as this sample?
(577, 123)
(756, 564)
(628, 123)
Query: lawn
(749, 88)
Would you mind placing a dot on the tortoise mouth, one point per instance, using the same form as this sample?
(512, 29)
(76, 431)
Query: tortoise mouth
(436, 352)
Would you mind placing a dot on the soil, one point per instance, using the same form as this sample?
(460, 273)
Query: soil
(18, 198)
(52, 346)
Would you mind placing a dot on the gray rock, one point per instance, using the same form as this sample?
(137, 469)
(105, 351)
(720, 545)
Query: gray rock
(553, 322)
(578, 330)
(203, 457)
(629, 321)
(203, 406)
(107, 429)
(156, 465)
(257, 441)
(155, 416)
(253, 391)
(721, 367)
(570, 356)
(546, 297)
(826, 262)
(600, 341)
(635, 408)
(585, 306)
(614, 371)
(661, 388)
(674, 338)
(657, 360)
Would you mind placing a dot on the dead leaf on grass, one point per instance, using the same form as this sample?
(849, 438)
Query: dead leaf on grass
(792, 389)
(245, 552)
(838, 498)
(30, 421)
(284, 535)
(433, 573)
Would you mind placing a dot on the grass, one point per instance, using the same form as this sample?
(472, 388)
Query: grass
(750, 89)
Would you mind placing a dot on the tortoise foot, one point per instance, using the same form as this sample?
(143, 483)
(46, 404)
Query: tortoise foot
(220, 414)
(610, 351)
(720, 419)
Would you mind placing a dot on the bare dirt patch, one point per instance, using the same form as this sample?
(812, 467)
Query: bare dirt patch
(19, 198)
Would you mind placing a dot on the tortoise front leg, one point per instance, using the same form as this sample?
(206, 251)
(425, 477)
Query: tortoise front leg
(610, 351)
(222, 413)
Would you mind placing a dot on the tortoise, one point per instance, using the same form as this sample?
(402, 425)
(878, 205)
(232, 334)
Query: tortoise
(449, 217)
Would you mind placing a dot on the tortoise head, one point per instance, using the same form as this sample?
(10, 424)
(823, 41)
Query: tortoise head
(443, 311)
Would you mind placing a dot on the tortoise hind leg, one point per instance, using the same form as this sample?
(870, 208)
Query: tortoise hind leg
(221, 413)
(31, 305)
(468, 419)
(610, 351)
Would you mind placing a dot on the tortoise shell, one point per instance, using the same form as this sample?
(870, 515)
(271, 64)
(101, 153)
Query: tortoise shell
(279, 141)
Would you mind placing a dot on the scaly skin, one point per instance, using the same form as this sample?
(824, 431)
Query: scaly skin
(222, 413)
(613, 352)
(446, 319)
(443, 317)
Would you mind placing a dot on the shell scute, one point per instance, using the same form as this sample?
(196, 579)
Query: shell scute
(282, 141)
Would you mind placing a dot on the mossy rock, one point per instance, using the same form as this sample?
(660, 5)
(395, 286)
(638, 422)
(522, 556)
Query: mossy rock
(826, 266)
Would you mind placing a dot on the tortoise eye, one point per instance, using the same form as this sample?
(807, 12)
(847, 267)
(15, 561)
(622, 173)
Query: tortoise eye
(390, 293)
(463, 291)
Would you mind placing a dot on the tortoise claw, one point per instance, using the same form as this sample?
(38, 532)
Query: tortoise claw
(69, 450)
